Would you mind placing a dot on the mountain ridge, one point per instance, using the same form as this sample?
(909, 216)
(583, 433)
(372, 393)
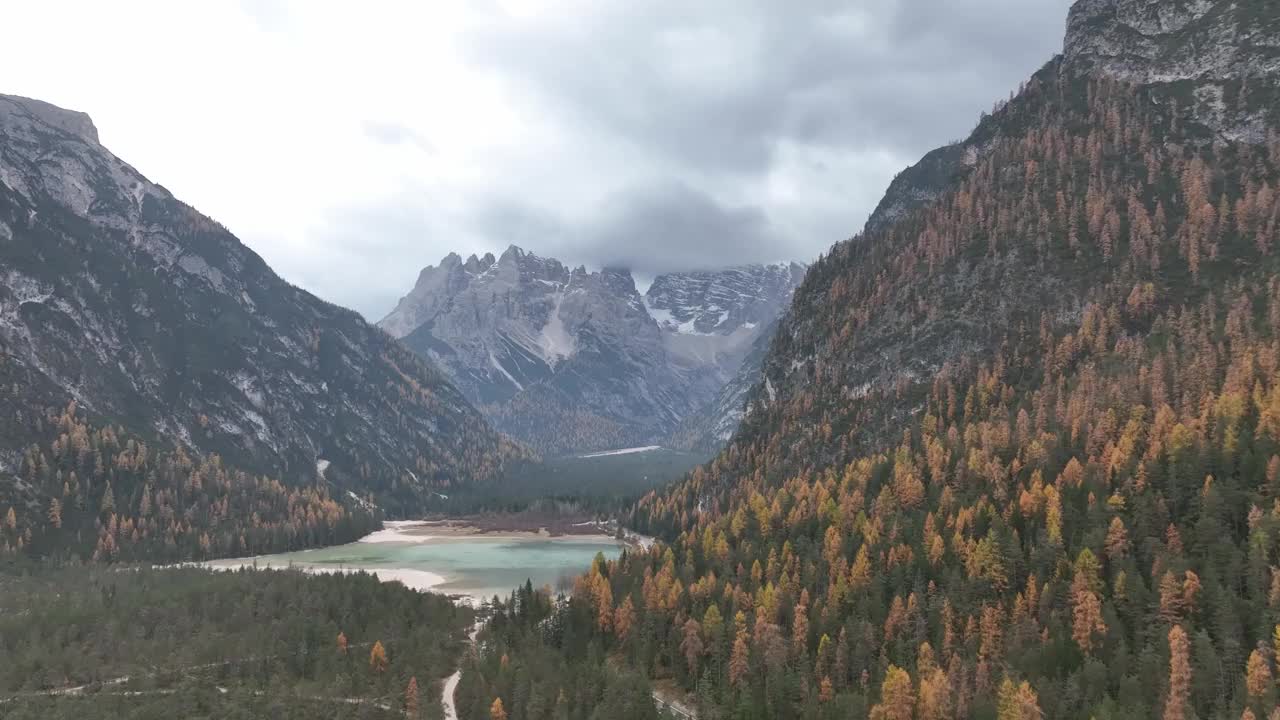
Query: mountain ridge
(153, 318)
(571, 360)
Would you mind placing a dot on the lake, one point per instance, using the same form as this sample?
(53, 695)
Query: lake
(476, 565)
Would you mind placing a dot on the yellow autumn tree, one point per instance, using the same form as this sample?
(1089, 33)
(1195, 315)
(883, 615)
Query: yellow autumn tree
(691, 644)
(1018, 702)
(800, 631)
(825, 690)
(1179, 674)
(378, 657)
(934, 701)
(1086, 608)
(1258, 675)
(623, 619)
(738, 665)
(496, 711)
(897, 697)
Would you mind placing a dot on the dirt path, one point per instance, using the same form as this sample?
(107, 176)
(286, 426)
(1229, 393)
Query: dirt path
(451, 683)
(675, 707)
(668, 696)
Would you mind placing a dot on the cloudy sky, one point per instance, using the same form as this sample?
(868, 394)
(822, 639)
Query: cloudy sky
(350, 144)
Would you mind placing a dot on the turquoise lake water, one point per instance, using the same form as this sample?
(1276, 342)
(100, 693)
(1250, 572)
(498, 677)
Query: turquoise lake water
(479, 566)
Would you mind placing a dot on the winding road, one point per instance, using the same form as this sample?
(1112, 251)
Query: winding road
(451, 682)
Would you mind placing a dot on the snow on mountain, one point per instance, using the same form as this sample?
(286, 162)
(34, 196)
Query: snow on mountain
(573, 361)
(720, 302)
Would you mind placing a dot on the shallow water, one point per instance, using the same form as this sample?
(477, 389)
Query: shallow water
(478, 566)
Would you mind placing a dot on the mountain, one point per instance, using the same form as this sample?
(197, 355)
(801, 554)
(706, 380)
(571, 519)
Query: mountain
(728, 316)
(1015, 452)
(710, 427)
(575, 361)
(159, 325)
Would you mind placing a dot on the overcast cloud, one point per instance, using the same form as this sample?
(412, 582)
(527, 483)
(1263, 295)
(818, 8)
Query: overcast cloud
(352, 144)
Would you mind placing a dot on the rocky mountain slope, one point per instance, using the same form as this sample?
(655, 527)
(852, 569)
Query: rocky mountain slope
(1212, 67)
(731, 316)
(709, 428)
(155, 320)
(1016, 450)
(574, 361)
(1196, 50)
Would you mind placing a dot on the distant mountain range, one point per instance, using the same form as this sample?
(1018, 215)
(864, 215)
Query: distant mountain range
(570, 361)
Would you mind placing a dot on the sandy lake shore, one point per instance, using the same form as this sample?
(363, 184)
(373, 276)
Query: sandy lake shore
(414, 531)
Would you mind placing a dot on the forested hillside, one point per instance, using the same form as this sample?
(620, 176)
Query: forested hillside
(102, 493)
(95, 642)
(160, 326)
(1017, 449)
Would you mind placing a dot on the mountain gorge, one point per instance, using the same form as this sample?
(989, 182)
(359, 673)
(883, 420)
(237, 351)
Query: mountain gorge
(142, 344)
(574, 361)
(1015, 449)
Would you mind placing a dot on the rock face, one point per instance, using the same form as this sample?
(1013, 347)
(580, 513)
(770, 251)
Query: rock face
(721, 302)
(150, 315)
(1162, 41)
(1201, 49)
(710, 427)
(573, 361)
(1198, 54)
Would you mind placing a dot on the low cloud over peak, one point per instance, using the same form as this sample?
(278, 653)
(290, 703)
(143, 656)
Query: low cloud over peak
(659, 136)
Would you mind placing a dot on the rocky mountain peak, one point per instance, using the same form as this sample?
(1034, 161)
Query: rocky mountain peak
(69, 121)
(513, 254)
(577, 360)
(721, 302)
(152, 316)
(1218, 60)
(1150, 41)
